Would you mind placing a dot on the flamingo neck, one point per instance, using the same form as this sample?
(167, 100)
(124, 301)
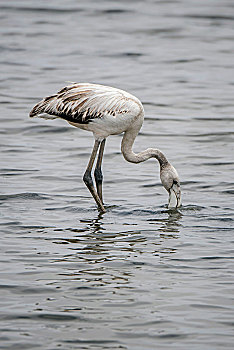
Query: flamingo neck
(126, 148)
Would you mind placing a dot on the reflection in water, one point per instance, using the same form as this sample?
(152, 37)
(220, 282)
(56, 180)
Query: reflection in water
(171, 224)
(106, 257)
(95, 243)
(95, 225)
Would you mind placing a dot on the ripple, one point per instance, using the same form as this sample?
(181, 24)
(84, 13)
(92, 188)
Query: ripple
(151, 336)
(40, 316)
(41, 9)
(115, 11)
(91, 341)
(16, 172)
(26, 290)
(25, 195)
(210, 17)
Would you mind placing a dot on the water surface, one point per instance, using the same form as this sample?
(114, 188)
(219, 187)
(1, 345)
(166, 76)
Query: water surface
(139, 276)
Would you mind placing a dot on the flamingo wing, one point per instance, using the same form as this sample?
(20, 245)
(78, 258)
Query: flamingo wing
(81, 103)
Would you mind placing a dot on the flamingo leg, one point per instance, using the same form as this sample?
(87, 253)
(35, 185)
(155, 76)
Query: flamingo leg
(87, 178)
(98, 170)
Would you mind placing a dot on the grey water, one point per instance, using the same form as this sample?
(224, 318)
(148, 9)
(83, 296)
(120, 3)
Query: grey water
(139, 277)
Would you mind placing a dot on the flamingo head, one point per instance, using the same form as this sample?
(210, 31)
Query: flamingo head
(170, 181)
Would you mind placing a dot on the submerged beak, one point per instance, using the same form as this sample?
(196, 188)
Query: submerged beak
(174, 196)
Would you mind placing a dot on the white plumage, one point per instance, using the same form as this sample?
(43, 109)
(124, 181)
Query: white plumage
(106, 111)
(101, 109)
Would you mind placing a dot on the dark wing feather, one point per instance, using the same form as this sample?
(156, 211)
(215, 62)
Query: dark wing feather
(81, 103)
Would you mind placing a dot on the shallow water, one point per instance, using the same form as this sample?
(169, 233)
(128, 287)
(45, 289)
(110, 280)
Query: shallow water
(139, 276)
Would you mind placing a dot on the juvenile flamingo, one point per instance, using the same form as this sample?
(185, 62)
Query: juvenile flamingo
(105, 111)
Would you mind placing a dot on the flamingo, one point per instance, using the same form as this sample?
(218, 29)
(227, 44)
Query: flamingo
(105, 111)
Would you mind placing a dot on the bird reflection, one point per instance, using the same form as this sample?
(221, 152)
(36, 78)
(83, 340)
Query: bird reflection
(170, 226)
(95, 225)
(96, 256)
(172, 223)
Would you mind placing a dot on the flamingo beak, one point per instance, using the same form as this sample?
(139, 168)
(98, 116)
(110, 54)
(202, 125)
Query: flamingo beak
(174, 196)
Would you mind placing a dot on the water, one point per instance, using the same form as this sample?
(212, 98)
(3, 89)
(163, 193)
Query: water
(140, 276)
